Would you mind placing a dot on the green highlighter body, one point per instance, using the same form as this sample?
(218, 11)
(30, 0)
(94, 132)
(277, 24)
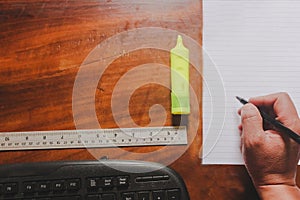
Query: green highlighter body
(180, 95)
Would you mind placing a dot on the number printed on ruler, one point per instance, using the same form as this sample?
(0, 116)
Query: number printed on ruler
(149, 136)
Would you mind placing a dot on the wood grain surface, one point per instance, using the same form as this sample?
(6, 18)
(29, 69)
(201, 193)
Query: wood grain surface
(43, 45)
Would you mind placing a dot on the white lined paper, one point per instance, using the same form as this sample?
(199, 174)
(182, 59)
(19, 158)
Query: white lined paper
(255, 46)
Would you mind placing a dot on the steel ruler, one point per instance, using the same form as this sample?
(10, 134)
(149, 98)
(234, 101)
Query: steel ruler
(63, 139)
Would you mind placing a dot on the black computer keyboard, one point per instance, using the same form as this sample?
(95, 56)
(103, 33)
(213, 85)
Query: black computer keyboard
(91, 180)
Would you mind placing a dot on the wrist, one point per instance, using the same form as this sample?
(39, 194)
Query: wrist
(278, 192)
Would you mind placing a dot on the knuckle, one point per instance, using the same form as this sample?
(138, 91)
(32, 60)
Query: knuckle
(249, 113)
(253, 142)
(249, 118)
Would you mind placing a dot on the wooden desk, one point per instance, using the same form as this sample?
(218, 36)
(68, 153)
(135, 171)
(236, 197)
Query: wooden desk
(42, 45)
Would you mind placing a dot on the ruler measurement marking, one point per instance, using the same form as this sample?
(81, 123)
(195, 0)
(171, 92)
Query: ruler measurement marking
(66, 139)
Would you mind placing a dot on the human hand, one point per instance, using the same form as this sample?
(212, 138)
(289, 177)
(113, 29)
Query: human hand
(270, 157)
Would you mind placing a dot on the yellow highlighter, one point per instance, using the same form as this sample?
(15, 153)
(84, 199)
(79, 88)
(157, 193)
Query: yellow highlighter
(180, 95)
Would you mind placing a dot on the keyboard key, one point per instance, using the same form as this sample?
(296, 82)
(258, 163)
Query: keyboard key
(29, 187)
(106, 183)
(10, 188)
(93, 197)
(43, 187)
(92, 183)
(159, 195)
(144, 179)
(160, 177)
(128, 196)
(73, 185)
(157, 178)
(173, 194)
(108, 197)
(143, 196)
(58, 186)
(122, 182)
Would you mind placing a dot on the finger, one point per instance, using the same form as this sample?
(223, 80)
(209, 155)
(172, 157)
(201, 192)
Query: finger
(242, 146)
(241, 136)
(282, 105)
(239, 111)
(240, 128)
(252, 123)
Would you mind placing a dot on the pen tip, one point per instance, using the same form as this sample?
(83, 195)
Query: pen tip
(238, 98)
(243, 101)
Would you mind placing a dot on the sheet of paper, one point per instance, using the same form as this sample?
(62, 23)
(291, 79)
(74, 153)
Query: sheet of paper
(252, 48)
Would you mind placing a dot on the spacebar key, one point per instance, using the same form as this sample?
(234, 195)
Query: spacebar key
(66, 198)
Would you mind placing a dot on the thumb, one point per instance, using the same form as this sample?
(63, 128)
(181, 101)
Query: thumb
(252, 121)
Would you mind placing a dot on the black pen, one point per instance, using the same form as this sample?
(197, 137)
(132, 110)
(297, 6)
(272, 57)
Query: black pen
(277, 124)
